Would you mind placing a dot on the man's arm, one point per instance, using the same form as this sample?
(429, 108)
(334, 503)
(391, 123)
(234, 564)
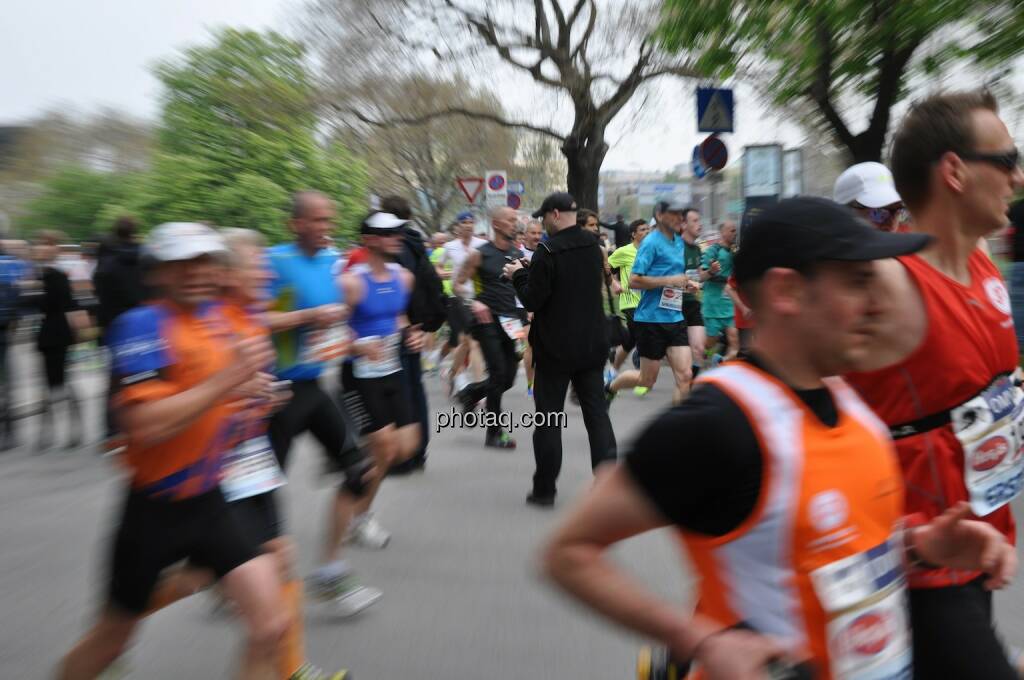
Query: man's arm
(641, 282)
(467, 272)
(900, 321)
(152, 412)
(577, 559)
(533, 283)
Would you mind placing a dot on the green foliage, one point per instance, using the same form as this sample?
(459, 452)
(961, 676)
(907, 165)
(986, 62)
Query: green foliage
(239, 135)
(73, 200)
(845, 48)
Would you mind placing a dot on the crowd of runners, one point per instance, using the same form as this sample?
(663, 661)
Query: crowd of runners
(844, 438)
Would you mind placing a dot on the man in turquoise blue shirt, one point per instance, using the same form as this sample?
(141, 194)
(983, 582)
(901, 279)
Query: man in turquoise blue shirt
(306, 316)
(659, 271)
(715, 270)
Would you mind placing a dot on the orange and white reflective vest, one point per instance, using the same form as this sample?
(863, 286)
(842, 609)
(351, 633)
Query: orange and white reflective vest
(819, 563)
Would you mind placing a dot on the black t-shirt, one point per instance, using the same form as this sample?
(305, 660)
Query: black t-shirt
(493, 289)
(700, 462)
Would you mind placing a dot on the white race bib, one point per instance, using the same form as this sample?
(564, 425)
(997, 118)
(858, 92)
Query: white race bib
(865, 601)
(990, 428)
(513, 328)
(324, 344)
(250, 469)
(388, 363)
(671, 298)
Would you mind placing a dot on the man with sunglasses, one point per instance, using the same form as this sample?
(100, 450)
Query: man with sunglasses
(869, 189)
(941, 374)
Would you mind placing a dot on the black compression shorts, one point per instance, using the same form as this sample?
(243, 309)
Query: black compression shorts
(375, 403)
(155, 534)
(692, 314)
(311, 409)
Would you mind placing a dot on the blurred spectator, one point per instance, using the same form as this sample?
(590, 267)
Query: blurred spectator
(621, 231)
(118, 279)
(12, 273)
(61, 321)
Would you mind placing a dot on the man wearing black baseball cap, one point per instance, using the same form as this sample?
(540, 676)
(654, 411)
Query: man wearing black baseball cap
(558, 202)
(784, 486)
(562, 287)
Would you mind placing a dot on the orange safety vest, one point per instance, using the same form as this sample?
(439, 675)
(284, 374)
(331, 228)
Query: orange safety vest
(819, 563)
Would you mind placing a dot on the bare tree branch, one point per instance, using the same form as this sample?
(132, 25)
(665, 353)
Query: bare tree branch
(450, 111)
(820, 91)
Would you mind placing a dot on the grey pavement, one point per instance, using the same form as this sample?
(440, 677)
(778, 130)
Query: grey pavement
(462, 599)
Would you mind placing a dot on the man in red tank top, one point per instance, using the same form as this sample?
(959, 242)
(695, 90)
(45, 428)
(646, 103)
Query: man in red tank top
(942, 377)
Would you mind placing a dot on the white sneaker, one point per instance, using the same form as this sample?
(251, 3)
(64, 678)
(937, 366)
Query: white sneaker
(367, 532)
(354, 600)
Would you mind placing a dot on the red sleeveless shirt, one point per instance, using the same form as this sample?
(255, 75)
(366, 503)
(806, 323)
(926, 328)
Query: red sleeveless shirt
(952, 405)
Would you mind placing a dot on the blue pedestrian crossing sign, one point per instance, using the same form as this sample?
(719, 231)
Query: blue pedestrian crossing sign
(714, 110)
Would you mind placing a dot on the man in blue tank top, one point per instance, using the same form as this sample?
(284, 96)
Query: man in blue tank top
(377, 293)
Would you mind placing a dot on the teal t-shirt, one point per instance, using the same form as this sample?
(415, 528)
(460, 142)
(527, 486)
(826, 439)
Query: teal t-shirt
(717, 305)
(300, 282)
(691, 256)
(658, 256)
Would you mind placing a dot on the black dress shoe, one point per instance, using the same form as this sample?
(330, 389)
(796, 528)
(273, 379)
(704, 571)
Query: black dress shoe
(541, 500)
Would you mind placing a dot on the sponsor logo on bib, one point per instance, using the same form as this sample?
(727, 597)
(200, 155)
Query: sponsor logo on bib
(869, 634)
(990, 453)
(828, 510)
(997, 295)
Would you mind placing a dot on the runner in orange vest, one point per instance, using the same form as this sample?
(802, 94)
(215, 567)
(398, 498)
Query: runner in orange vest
(782, 485)
(942, 374)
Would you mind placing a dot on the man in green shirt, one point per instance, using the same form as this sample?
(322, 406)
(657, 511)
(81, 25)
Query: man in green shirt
(621, 259)
(691, 303)
(717, 307)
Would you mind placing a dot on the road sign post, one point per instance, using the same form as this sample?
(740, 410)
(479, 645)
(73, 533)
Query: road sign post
(496, 188)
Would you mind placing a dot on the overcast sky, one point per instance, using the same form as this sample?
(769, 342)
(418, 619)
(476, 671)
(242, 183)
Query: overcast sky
(99, 54)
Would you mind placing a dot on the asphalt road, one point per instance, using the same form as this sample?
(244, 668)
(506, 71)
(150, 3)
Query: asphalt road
(462, 598)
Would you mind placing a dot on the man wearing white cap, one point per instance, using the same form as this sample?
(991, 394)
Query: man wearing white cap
(377, 291)
(869, 189)
(180, 373)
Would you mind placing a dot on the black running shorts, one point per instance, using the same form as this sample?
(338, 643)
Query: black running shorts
(375, 403)
(954, 636)
(258, 517)
(654, 339)
(155, 534)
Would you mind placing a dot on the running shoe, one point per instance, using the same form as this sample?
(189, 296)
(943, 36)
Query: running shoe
(367, 532)
(310, 672)
(343, 595)
(500, 441)
(640, 390)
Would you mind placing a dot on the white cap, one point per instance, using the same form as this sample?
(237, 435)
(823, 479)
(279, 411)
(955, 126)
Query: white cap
(175, 241)
(869, 184)
(383, 221)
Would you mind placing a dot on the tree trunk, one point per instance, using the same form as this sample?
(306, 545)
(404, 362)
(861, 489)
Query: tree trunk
(867, 146)
(585, 162)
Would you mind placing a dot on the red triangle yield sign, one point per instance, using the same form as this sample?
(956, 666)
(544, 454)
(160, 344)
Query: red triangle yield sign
(470, 186)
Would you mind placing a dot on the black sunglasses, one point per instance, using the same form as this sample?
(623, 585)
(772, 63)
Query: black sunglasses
(1007, 160)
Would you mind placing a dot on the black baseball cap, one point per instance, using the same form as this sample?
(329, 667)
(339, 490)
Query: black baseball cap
(799, 231)
(556, 201)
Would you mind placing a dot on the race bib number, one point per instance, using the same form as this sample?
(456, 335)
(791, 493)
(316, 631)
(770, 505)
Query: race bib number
(671, 298)
(990, 428)
(325, 345)
(864, 597)
(250, 469)
(388, 361)
(513, 328)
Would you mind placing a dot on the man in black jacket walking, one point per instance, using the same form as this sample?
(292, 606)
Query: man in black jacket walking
(562, 287)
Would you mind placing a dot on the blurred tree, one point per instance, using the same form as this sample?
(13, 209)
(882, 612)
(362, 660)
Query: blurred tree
(423, 161)
(833, 58)
(71, 200)
(540, 165)
(239, 133)
(593, 55)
